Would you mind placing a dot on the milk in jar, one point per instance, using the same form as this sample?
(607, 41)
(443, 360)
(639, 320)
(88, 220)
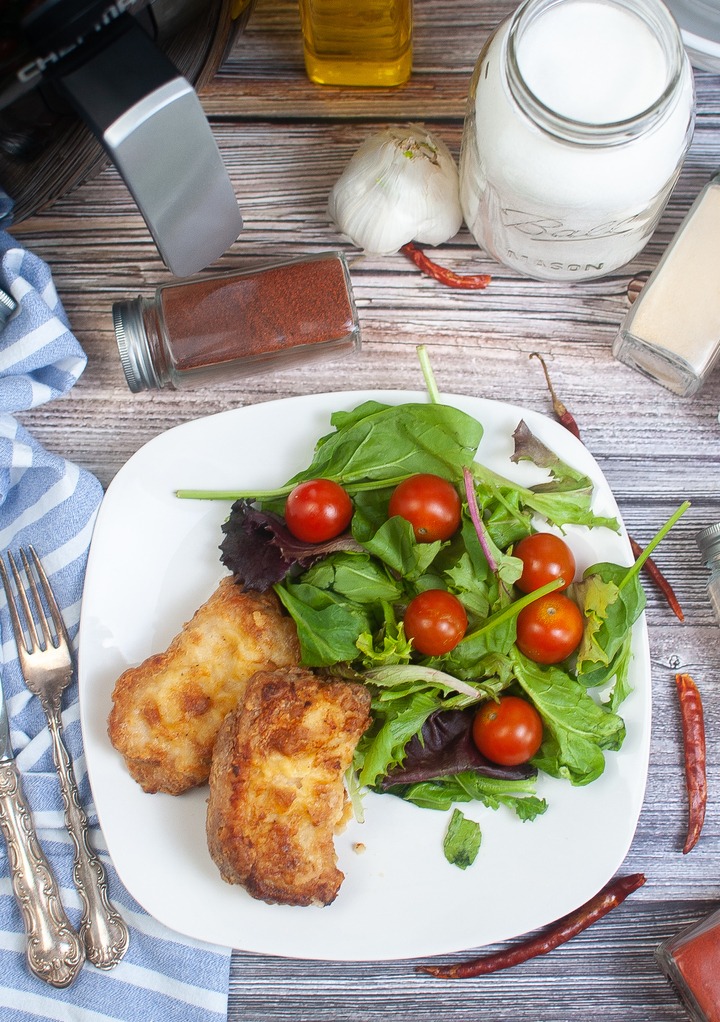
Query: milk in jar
(579, 116)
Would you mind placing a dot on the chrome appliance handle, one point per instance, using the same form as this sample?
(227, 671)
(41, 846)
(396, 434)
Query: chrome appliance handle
(152, 125)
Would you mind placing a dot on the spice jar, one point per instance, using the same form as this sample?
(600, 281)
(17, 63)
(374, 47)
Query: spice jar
(347, 42)
(691, 961)
(236, 324)
(709, 543)
(672, 332)
(579, 116)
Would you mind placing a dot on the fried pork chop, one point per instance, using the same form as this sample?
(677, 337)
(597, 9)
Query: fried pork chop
(276, 786)
(167, 711)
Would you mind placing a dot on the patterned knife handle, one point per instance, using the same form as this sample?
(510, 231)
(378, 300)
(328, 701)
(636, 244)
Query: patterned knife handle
(55, 953)
(103, 930)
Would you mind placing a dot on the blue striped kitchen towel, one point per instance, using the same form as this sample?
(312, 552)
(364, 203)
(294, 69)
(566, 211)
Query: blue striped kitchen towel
(51, 503)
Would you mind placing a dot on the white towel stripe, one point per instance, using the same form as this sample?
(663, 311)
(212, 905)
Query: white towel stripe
(33, 341)
(64, 488)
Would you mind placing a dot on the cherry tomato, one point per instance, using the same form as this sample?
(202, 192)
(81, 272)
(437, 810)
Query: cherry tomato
(318, 510)
(508, 732)
(545, 557)
(436, 621)
(430, 503)
(549, 629)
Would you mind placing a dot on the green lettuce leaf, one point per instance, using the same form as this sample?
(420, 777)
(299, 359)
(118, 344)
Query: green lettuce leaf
(462, 840)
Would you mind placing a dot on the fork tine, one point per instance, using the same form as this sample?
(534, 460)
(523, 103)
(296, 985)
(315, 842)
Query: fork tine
(57, 617)
(39, 617)
(13, 608)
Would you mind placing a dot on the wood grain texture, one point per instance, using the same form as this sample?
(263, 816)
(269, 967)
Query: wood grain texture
(285, 141)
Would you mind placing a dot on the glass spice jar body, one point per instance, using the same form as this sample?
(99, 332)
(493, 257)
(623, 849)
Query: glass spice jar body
(579, 116)
(708, 542)
(347, 42)
(196, 331)
(672, 332)
(691, 961)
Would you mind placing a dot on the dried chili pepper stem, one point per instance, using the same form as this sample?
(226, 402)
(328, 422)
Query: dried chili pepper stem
(566, 419)
(608, 898)
(693, 728)
(464, 281)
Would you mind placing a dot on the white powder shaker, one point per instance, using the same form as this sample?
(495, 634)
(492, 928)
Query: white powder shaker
(672, 332)
(579, 116)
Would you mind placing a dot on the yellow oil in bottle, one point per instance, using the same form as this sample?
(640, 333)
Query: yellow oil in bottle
(357, 42)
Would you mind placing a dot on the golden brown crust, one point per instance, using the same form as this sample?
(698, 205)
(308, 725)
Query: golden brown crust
(277, 795)
(167, 711)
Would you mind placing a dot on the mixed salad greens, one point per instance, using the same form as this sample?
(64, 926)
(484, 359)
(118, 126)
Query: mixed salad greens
(348, 597)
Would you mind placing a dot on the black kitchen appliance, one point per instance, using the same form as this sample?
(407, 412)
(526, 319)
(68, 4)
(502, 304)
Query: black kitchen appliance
(123, 72)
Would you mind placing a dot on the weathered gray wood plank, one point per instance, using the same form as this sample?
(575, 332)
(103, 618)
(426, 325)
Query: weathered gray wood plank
(285, 141)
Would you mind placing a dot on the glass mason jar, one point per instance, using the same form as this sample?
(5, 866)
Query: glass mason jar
(579, 116)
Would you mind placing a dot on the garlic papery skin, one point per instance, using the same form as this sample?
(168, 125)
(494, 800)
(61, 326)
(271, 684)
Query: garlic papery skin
(401, 185)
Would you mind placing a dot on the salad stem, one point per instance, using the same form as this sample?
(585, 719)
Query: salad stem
(513, 609)
(432, 389)
(657, 538)
(282, 491)
(477, 520)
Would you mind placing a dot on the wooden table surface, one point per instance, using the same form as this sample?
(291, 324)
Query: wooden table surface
(285, 141)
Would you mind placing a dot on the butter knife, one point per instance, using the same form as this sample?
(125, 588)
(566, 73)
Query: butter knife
(54, 951)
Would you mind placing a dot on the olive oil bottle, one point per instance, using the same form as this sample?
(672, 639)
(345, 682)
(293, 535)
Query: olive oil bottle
(357, 42)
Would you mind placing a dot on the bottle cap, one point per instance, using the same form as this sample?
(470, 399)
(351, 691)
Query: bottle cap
(708, 541)
(132, 342)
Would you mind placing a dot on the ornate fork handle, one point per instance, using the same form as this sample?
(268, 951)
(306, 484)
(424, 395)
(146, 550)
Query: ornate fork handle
(102, 928)
(54, 951)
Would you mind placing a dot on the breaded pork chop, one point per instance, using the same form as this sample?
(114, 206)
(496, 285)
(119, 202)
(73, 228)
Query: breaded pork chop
(277, 795)
(167, 711)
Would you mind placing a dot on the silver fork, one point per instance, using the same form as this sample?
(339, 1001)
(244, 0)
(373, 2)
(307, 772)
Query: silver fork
(46, 664)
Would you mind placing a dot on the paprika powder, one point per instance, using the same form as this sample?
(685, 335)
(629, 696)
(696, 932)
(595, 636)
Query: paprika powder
(193, 331)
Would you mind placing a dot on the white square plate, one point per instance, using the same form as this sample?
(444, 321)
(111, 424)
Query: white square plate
(154, 559)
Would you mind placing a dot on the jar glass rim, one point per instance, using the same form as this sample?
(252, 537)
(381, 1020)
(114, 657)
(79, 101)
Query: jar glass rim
(656, 15)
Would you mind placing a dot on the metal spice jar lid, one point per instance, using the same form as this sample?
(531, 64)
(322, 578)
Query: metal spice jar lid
(708, 542)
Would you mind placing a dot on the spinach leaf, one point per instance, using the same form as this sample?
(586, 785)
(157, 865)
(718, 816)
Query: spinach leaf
(462, 840)
(395, 544)
(358, 577)
(328, 626)
(577, 730)
(381, 442)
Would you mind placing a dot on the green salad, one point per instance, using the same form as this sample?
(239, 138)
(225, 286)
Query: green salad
(351, 593)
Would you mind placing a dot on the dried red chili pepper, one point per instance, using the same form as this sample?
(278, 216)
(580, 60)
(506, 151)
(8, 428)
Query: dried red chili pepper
(566, 419)
(464, 281)
(562, 415)
(693, 727)
(660, 581)
(563, 930)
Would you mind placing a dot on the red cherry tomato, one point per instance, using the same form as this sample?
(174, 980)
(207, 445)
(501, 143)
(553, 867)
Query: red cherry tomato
(549, 629)
(435, 621)
(430, 503)
(545, 557)
(318, 510)
(508, 732)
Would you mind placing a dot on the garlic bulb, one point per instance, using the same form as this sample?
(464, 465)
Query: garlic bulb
(401, 185)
